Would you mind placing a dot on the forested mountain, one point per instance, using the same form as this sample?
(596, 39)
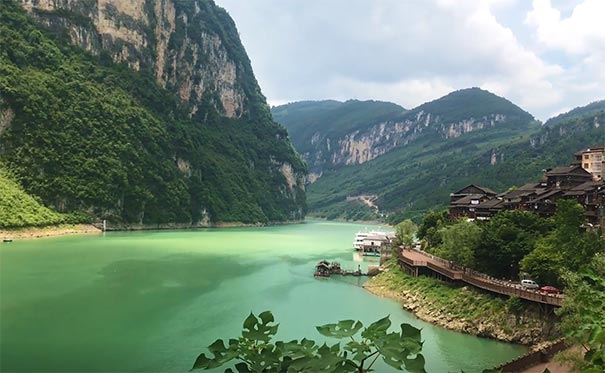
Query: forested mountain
(593, 109)
(158, 120)
(468, 136)
(331, 133)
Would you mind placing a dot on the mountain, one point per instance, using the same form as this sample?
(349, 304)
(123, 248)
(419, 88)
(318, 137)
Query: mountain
(144, 112)
(593, 109)
(411, 160)
(331, 133)
(450, 150)
(355, 132)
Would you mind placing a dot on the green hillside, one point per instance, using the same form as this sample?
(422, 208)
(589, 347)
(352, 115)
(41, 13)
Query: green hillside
(330, 118)
(18, 209)
(419, 174)
(469, 103)
(592, 109)
(93, 136)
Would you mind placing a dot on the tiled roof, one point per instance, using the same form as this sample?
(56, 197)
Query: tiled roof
(467, 199)
(566, 170)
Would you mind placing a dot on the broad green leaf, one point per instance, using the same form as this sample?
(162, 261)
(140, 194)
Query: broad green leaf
(344, 329)
(415, 365)
(409, 331)
(221, 354)
(259, 331)
(266, 317)
(377, 329)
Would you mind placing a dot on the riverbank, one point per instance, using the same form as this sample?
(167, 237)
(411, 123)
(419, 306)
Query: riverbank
(50, 231)
(69, 229)
(463, 309)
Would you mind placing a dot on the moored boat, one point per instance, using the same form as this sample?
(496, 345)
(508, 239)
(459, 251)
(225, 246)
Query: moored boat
(371, 243)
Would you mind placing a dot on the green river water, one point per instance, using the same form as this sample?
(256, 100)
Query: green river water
(152, 301)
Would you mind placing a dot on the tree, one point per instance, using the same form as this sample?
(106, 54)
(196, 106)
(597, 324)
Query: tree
(566, 248)
(431, 223)
(459, 242)
(583, 313)
(506, 239)
(256, 352)
(405, 232)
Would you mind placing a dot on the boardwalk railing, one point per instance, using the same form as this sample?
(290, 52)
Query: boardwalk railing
(418, 258)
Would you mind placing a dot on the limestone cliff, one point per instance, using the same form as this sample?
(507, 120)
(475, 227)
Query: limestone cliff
(144, 112)
(184, 43)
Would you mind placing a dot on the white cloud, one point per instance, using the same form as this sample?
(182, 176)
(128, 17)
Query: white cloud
(580, 33)
(413, 51)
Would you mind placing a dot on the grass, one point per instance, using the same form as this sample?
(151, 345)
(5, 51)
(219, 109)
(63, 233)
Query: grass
(463, 308)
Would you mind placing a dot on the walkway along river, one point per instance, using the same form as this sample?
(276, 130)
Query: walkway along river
(152, 301)
(413, 261)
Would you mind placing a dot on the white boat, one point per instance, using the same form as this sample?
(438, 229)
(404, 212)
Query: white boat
(370, 242)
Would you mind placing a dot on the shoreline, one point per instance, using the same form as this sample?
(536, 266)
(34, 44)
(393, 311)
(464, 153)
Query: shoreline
(48, 231)
(73, 229)
(340, 220)
(498, 324)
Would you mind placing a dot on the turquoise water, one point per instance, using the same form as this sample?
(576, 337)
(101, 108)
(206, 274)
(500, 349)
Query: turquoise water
(152, 301)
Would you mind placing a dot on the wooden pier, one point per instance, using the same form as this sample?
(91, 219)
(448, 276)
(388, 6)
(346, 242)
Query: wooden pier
(415, 262)
(326, 269)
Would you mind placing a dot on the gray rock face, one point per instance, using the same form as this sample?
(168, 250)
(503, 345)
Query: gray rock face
(175, 40)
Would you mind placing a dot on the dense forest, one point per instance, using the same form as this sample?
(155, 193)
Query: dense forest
(86, 134)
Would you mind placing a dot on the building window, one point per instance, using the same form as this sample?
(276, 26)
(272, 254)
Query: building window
(474, 201)
(585, 165)
(586, 156)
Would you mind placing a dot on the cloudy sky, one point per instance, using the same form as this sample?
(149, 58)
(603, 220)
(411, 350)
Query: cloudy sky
(547, 56)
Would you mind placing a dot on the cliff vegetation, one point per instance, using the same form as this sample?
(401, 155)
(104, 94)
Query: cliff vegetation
(86, 132)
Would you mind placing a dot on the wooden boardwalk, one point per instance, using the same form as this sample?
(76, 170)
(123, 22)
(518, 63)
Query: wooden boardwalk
(412, 260)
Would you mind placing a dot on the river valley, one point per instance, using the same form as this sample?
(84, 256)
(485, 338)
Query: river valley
(152, 301)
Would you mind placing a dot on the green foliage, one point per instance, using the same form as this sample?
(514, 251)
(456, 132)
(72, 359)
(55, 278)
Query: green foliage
(405, 232)
(92, 136)
(454, 301)
(348, 210)
(506, 239)
(583, 312)
(256, 352)
(432, 222)
(459, 242)
(567, 247)
(515, 306)
(19, 210)
(591, 110)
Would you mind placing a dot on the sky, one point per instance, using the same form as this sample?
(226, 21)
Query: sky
(547, 56)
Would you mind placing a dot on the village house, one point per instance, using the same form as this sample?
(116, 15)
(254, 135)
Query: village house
(583, 184)
(592, 160)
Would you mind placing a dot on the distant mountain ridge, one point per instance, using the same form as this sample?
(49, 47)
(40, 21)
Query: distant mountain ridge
(594, 108)
(331, 135)
(468, 136)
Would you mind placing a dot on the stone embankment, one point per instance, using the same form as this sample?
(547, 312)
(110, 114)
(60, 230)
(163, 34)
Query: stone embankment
(462, 309)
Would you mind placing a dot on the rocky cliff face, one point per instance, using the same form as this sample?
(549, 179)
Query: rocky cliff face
(165, 123)
(450, 117)
(360, 146)
(177, 40)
